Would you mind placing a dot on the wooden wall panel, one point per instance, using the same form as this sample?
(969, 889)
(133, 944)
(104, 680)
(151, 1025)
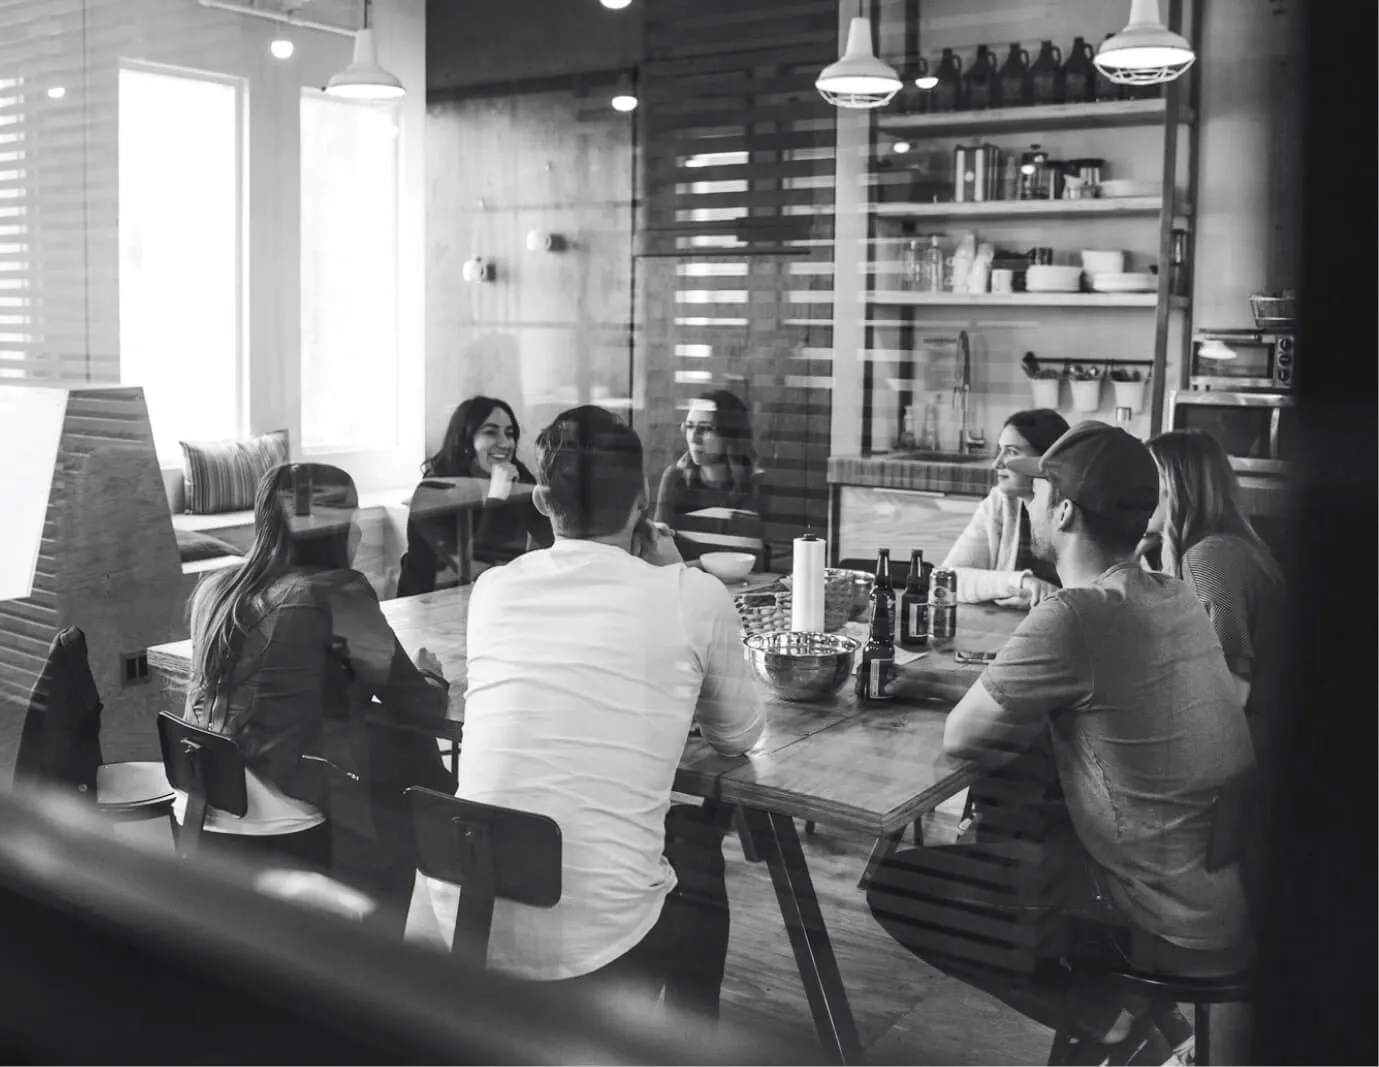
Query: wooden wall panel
(552, 329)
(735, 276)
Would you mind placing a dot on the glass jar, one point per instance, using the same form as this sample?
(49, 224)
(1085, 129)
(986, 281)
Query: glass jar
(914, 265)
(932, 268)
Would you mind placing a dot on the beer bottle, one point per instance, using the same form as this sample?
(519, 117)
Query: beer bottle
(914, 604)
(883, 584)
(877, 669)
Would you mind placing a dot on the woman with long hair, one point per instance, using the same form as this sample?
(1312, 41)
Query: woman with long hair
(480, 442)
(1207, 541)
(717, 470)
(994, 556)
(289, 650)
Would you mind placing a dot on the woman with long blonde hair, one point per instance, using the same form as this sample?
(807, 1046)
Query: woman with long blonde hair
(289, 649)
(1207, 541)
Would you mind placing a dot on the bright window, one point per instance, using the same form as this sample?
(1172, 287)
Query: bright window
(349, 275)
(181, 257)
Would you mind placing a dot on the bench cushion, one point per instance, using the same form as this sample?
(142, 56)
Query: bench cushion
(224, 476)
(193, 546)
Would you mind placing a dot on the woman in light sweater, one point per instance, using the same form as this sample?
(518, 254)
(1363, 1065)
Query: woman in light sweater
(993, 558)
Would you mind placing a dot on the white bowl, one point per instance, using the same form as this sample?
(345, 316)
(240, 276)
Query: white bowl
(1103, 262)
(1118, 188)
(1047, 279)
(728, 566)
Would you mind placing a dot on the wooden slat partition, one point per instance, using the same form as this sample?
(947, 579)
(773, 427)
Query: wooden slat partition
(736, 237)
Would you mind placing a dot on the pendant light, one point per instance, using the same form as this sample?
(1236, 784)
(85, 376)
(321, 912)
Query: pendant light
(1146, 52)
(859, 80)
(624, 96)
(364, 79)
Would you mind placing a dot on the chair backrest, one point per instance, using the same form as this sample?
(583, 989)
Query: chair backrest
(489, 852)
(205, 765)
(61, 739)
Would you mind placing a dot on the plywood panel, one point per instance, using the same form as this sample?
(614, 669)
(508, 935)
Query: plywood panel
(552, 330)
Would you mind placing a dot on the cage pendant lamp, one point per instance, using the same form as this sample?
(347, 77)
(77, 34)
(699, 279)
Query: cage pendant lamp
(859, 80)
(1146, 52)
(364, 79)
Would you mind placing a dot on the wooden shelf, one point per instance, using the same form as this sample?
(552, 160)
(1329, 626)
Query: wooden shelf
(1050, 116)
(995, 300)
(992, 209)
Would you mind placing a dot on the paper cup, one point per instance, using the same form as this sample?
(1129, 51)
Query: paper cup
(1046, 392)
(1087, 395)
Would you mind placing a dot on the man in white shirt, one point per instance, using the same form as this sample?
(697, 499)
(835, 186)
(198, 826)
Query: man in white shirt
(588, 663)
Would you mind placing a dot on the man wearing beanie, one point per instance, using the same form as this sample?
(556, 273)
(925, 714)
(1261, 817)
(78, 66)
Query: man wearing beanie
(1120, 674)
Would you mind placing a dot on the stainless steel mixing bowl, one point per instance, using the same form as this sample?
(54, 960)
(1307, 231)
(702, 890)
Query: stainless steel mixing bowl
(801, 666)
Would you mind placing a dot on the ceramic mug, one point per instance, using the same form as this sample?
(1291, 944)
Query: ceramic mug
(1002, 280)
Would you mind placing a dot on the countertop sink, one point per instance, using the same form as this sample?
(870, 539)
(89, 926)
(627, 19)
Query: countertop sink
(923, 456)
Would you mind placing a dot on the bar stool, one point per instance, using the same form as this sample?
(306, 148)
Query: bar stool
(490, 853)
(1232, 834)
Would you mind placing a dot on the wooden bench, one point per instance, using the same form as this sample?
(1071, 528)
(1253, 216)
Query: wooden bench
(382, 528)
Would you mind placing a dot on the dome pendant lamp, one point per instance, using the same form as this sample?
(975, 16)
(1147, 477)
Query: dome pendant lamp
(859, 80)
(1146, 52)
(364, 79)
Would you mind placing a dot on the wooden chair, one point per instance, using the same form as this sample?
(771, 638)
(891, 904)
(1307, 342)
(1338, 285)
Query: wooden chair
(60, 743)
(208, 767)
(490, 853)
(1233, 840)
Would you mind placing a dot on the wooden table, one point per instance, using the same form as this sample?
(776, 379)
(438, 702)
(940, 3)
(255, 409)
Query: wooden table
(873, 769)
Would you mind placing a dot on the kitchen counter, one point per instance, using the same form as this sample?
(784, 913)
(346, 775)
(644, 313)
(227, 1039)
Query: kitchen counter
(972, 476)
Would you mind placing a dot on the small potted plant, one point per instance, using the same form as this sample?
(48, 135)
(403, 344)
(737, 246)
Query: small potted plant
(1044, 381)
(1129, 387)
(1085, 381)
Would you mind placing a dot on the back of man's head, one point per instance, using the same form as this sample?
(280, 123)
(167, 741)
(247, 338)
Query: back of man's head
(589, 469)
(1108, 474)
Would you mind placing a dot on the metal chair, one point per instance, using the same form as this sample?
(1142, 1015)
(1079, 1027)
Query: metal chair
(208, 767)
(490, 852)
(1232, 840)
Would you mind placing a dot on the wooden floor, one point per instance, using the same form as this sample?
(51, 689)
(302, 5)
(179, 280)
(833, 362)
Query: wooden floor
(906, 1012)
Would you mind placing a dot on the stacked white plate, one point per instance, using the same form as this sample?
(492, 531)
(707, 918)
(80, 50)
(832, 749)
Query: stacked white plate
(1120, 188)
(1124, 283)
(1049, 279)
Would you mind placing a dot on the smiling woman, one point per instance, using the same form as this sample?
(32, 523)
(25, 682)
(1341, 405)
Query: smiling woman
(480, 442)
(994, 557)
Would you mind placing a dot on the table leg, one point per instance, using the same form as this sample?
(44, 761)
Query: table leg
(776, 840)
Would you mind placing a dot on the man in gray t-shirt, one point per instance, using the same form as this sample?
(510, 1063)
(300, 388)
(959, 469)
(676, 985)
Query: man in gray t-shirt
(1120, 673)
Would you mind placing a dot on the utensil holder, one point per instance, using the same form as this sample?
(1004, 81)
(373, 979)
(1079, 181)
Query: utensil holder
(1129, 395)
(1046, 392)
(1087, 395)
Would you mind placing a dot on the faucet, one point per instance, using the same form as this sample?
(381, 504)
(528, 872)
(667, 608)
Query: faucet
(962, 392)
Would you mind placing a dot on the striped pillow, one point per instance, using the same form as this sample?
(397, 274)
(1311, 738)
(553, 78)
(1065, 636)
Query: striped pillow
(222, 476)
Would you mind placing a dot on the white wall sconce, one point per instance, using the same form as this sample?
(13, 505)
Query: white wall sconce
(541, 241)
(281, 47)
(478, 269)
